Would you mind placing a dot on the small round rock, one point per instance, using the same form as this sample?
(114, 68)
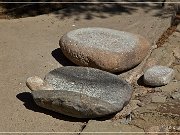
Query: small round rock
(158, 75)
(83, 92)
(103, 48)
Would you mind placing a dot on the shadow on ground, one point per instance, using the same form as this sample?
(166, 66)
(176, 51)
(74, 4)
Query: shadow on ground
(140, 82)
(29, 9)
(78, 10)
(90, 11)
(61, 58)
(29, 103)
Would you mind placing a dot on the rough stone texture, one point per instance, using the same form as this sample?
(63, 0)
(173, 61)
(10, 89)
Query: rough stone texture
(163, 56)
(140, 91)
(109, 126)
(171, 87)
(177, 72)
(176, 53)
(158, 99)
(133, 104)
(134, 74)
(103, 48)
(157, 114)
(176, 94)
(159, 130)
(158, 76)
(83, 92)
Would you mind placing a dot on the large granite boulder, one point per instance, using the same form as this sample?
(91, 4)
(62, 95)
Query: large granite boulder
(83, 92)
(103, 48)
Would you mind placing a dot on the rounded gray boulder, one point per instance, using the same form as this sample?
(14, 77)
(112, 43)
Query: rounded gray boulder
(103, 48)
(83, 92)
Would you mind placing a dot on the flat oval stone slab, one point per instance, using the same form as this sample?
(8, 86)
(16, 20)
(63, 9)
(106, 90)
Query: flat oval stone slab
(83, 92)
(103, 48)
(158, 75)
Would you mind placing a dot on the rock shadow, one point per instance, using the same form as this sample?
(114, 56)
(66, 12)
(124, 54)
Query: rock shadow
(90, 11)
(61, 58)
(29, 103)
(140, 82)
(127, 70)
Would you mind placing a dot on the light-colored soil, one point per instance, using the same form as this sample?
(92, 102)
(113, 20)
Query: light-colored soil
(29, 46)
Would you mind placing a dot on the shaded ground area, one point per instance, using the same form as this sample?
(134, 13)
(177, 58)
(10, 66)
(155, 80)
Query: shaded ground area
(27, 10)
(18, 10)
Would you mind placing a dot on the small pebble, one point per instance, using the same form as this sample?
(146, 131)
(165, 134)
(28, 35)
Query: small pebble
(36, 83)
(158, 76)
